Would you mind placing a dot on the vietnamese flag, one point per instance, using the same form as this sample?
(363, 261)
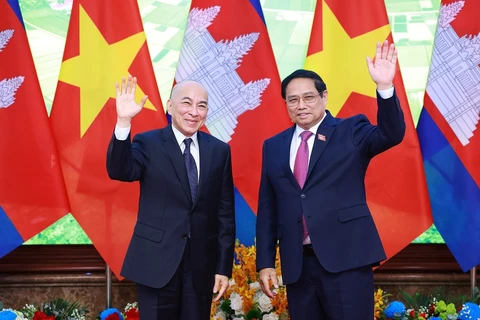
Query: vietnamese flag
(342, 36)
(32, 192)
(105, 42)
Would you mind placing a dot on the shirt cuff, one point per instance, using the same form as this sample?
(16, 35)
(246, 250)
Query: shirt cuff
(386, 94)
(122, 133)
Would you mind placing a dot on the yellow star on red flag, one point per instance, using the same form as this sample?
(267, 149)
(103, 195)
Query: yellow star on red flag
(341, 63)
(98, 66)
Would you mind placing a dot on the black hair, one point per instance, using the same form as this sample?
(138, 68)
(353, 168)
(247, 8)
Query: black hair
(308, 74)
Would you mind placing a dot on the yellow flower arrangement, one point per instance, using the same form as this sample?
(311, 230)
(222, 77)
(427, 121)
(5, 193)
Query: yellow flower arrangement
(380, 301)
(244, 299)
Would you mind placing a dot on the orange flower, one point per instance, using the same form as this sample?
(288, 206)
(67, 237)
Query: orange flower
(280, 301)
(244, 273)
(214, 307)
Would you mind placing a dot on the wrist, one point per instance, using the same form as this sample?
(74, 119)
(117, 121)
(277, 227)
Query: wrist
(124, 122)
(384, 86)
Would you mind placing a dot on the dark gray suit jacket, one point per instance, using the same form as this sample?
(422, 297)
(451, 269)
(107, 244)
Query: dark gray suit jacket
(333, 199)
(167, 214)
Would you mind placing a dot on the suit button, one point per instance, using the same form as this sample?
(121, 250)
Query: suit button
(185, 236)
(303, 196)
(299, 220)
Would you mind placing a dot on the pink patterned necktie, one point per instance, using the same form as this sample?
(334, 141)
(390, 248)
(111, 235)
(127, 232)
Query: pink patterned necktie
(300, 169)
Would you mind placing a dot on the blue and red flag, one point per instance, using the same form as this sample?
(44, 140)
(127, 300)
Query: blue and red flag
(226, 47)
(32, 191)
(449, 133)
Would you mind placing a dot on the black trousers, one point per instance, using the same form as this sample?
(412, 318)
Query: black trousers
(321, 295)
(177, 300)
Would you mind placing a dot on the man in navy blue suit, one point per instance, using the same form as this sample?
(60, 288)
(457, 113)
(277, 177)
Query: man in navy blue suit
(182, 245)
(312, 197)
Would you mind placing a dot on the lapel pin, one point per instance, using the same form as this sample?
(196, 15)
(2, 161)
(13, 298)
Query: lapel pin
(322, 137)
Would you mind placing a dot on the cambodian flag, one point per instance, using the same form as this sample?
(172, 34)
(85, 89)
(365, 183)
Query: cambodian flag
(448, 130)
(32, 192)
(226, 47)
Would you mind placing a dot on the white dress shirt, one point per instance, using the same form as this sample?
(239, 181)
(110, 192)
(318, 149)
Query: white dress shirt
(122, 134)
(296, 139)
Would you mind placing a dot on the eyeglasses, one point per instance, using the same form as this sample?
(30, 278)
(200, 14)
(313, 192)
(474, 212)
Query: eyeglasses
(293, 101)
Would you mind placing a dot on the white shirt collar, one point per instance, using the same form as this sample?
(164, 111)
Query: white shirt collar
(180, 137)
(313, 129)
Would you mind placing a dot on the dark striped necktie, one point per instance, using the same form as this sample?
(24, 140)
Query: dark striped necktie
(191, 167)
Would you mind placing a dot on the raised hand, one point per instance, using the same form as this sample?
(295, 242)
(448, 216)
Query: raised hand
(127, 108)
(382, 70)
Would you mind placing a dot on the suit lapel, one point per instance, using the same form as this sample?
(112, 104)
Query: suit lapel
(284, 156)
(176, 156)
(322, 138)
(206, 153)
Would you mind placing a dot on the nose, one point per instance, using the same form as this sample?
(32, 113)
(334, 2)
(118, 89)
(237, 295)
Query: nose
(194, 111)
(301, 104)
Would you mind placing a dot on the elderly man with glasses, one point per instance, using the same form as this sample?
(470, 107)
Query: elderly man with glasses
(312, 197)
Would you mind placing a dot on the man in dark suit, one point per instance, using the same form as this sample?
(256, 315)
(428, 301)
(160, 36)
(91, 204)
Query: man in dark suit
(182, 246)
(312, 197)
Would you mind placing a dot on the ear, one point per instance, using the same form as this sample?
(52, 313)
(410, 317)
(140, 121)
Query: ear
(325, 96)
(169, 106)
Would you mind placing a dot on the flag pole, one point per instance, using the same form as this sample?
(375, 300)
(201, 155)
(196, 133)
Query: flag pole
(473, 273)
(108, 271)
(108, 274)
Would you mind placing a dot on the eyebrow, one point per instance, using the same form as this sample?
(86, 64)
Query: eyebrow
(296, 95)
(190, 99)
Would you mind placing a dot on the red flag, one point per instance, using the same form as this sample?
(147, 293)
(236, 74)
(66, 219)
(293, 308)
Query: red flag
(342, 36)
(105, 42)
(32, 192)
(237, 66)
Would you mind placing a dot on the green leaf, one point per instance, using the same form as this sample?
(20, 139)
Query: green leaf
(253, 314)
(440, 293)
(416, 301)
(225, 307)
(62, 309)
(473, 297)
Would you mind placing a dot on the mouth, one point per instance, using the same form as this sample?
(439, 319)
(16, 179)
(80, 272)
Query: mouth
(303, 115)
(191, 122)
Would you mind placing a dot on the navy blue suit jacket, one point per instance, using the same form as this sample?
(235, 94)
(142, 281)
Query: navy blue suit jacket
(340, 224)
(166, 212)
